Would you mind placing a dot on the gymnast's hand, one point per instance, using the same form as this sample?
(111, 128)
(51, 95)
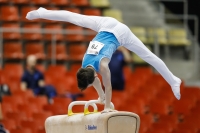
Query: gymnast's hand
(108, 110)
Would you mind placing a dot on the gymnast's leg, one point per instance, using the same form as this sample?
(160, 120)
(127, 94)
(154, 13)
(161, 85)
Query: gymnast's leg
(136, 46)
(91, 22)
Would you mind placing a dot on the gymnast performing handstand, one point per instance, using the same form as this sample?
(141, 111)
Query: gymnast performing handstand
(110, 35)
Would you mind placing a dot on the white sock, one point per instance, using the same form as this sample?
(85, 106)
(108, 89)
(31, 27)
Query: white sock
(32, 15)
(176, 89)
(35, 14)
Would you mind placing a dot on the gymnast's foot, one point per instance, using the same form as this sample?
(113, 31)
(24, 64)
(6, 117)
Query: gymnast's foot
(35, 14)
(176, 89)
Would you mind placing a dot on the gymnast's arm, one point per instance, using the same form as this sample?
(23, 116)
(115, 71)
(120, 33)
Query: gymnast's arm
(105, 73)
(97, 85)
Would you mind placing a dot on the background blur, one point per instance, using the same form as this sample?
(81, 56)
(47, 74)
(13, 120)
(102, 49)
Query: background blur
(169, 28)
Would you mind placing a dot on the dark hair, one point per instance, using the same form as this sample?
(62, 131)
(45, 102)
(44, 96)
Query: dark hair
(85, 76)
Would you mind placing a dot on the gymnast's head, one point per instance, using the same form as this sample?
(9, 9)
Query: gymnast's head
(85, 77)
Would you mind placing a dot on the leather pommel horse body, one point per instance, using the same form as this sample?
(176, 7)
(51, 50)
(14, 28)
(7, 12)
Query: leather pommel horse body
(93, 122)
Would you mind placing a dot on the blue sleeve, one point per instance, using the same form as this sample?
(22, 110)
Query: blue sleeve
(41, 76)
(24, 77)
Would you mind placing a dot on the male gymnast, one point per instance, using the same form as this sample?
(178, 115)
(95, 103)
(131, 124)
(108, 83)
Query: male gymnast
(110, 35)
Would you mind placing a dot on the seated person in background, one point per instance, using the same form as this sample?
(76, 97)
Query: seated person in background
(34, 79)
(118, 61)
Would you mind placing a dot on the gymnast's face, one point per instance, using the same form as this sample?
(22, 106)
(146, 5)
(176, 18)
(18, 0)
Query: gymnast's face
(85, 77)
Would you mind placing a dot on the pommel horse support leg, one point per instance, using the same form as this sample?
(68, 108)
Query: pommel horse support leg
(93, 122)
